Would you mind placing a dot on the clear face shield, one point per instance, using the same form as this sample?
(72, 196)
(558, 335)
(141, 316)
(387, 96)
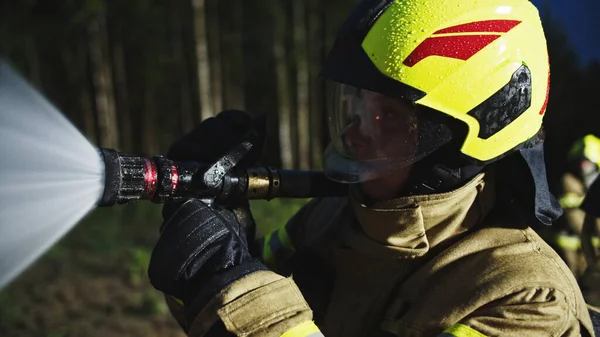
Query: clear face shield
(374, 135)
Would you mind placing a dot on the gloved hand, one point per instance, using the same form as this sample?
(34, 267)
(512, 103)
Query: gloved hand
(198, 243)
(213, 137)
(201, 259)
(199, 253)
(202, 256)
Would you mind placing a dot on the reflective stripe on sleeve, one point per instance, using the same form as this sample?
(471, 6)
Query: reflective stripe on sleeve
(178, 301)
(570, 200)
(568, 242)
(305, 329)
(285, 240)
(274, 243)
(267, 255)
(461, 330)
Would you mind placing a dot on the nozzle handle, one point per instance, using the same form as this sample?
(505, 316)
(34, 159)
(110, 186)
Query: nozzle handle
(125, 177)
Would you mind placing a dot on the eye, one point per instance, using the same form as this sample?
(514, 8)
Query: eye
(385, 116)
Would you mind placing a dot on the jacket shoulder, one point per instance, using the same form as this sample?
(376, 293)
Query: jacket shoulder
(488, 267)
(515, 258)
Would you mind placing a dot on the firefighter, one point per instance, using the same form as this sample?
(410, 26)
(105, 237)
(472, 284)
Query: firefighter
(581, 170)
(436, 125)
(590, 231)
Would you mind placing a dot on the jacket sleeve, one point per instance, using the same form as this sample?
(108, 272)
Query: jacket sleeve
(262, 304)
(527, 312)
(278, 247)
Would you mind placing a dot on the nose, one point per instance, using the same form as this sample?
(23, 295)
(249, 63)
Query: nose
(353, 136)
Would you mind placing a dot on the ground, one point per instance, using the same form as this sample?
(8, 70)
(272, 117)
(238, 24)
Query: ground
(94, 283)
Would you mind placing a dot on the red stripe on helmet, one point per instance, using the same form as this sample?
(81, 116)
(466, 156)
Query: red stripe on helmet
(459, 47)
(487, 26)
(543, 110)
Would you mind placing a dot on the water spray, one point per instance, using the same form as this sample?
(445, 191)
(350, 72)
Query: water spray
(130, 178)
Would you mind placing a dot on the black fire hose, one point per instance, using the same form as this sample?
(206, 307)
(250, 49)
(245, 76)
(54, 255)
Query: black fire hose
(131, 177)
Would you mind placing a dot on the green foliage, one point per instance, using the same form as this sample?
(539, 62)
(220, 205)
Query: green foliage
(10, 311)
(57, 253)
(64, 332)
(272, 214)
(84, 10)
(137, 264)
(152, 303)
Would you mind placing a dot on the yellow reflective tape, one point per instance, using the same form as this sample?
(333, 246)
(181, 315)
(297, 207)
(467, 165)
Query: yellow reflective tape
(572, 242)
(178, 301)
(305, 329)
(570, 200)
(267, 255)
(568, 242)
(596, 242)
(285, 240)
(461, 330)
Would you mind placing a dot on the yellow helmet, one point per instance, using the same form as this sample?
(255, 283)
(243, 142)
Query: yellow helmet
(481, 63)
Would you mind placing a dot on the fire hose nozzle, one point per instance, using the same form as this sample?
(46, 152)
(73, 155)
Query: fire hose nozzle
(131, 178)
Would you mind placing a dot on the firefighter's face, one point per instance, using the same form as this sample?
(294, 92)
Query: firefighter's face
(386, 128)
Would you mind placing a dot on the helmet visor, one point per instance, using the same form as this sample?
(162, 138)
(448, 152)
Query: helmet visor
(373, 135)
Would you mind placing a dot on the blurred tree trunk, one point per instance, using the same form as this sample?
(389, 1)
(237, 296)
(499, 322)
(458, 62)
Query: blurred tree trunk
(103, 83)
(260, 85)
(76, 64)
(122, 96)
(186, 122)
(302, 81)
(149, 122)
(232, 49)
(214, 48)
(332, 17)
(33, 60)
(203, 67)
(283, 87)
(292, 72)
(88, 112)
(317, 112)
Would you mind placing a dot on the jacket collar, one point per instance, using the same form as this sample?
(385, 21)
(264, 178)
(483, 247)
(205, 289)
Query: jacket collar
(409, 227)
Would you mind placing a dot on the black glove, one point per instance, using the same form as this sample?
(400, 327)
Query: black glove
(212, 138)
(202, 249)
(199, 253)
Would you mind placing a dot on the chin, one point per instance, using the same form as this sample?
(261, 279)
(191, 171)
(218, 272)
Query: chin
(388, 186)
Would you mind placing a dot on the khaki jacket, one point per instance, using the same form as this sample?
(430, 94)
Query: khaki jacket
(436, 265)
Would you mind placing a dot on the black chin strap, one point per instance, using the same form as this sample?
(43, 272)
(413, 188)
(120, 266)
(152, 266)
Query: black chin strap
(546, 207)
(441, 178)
(527, 180)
